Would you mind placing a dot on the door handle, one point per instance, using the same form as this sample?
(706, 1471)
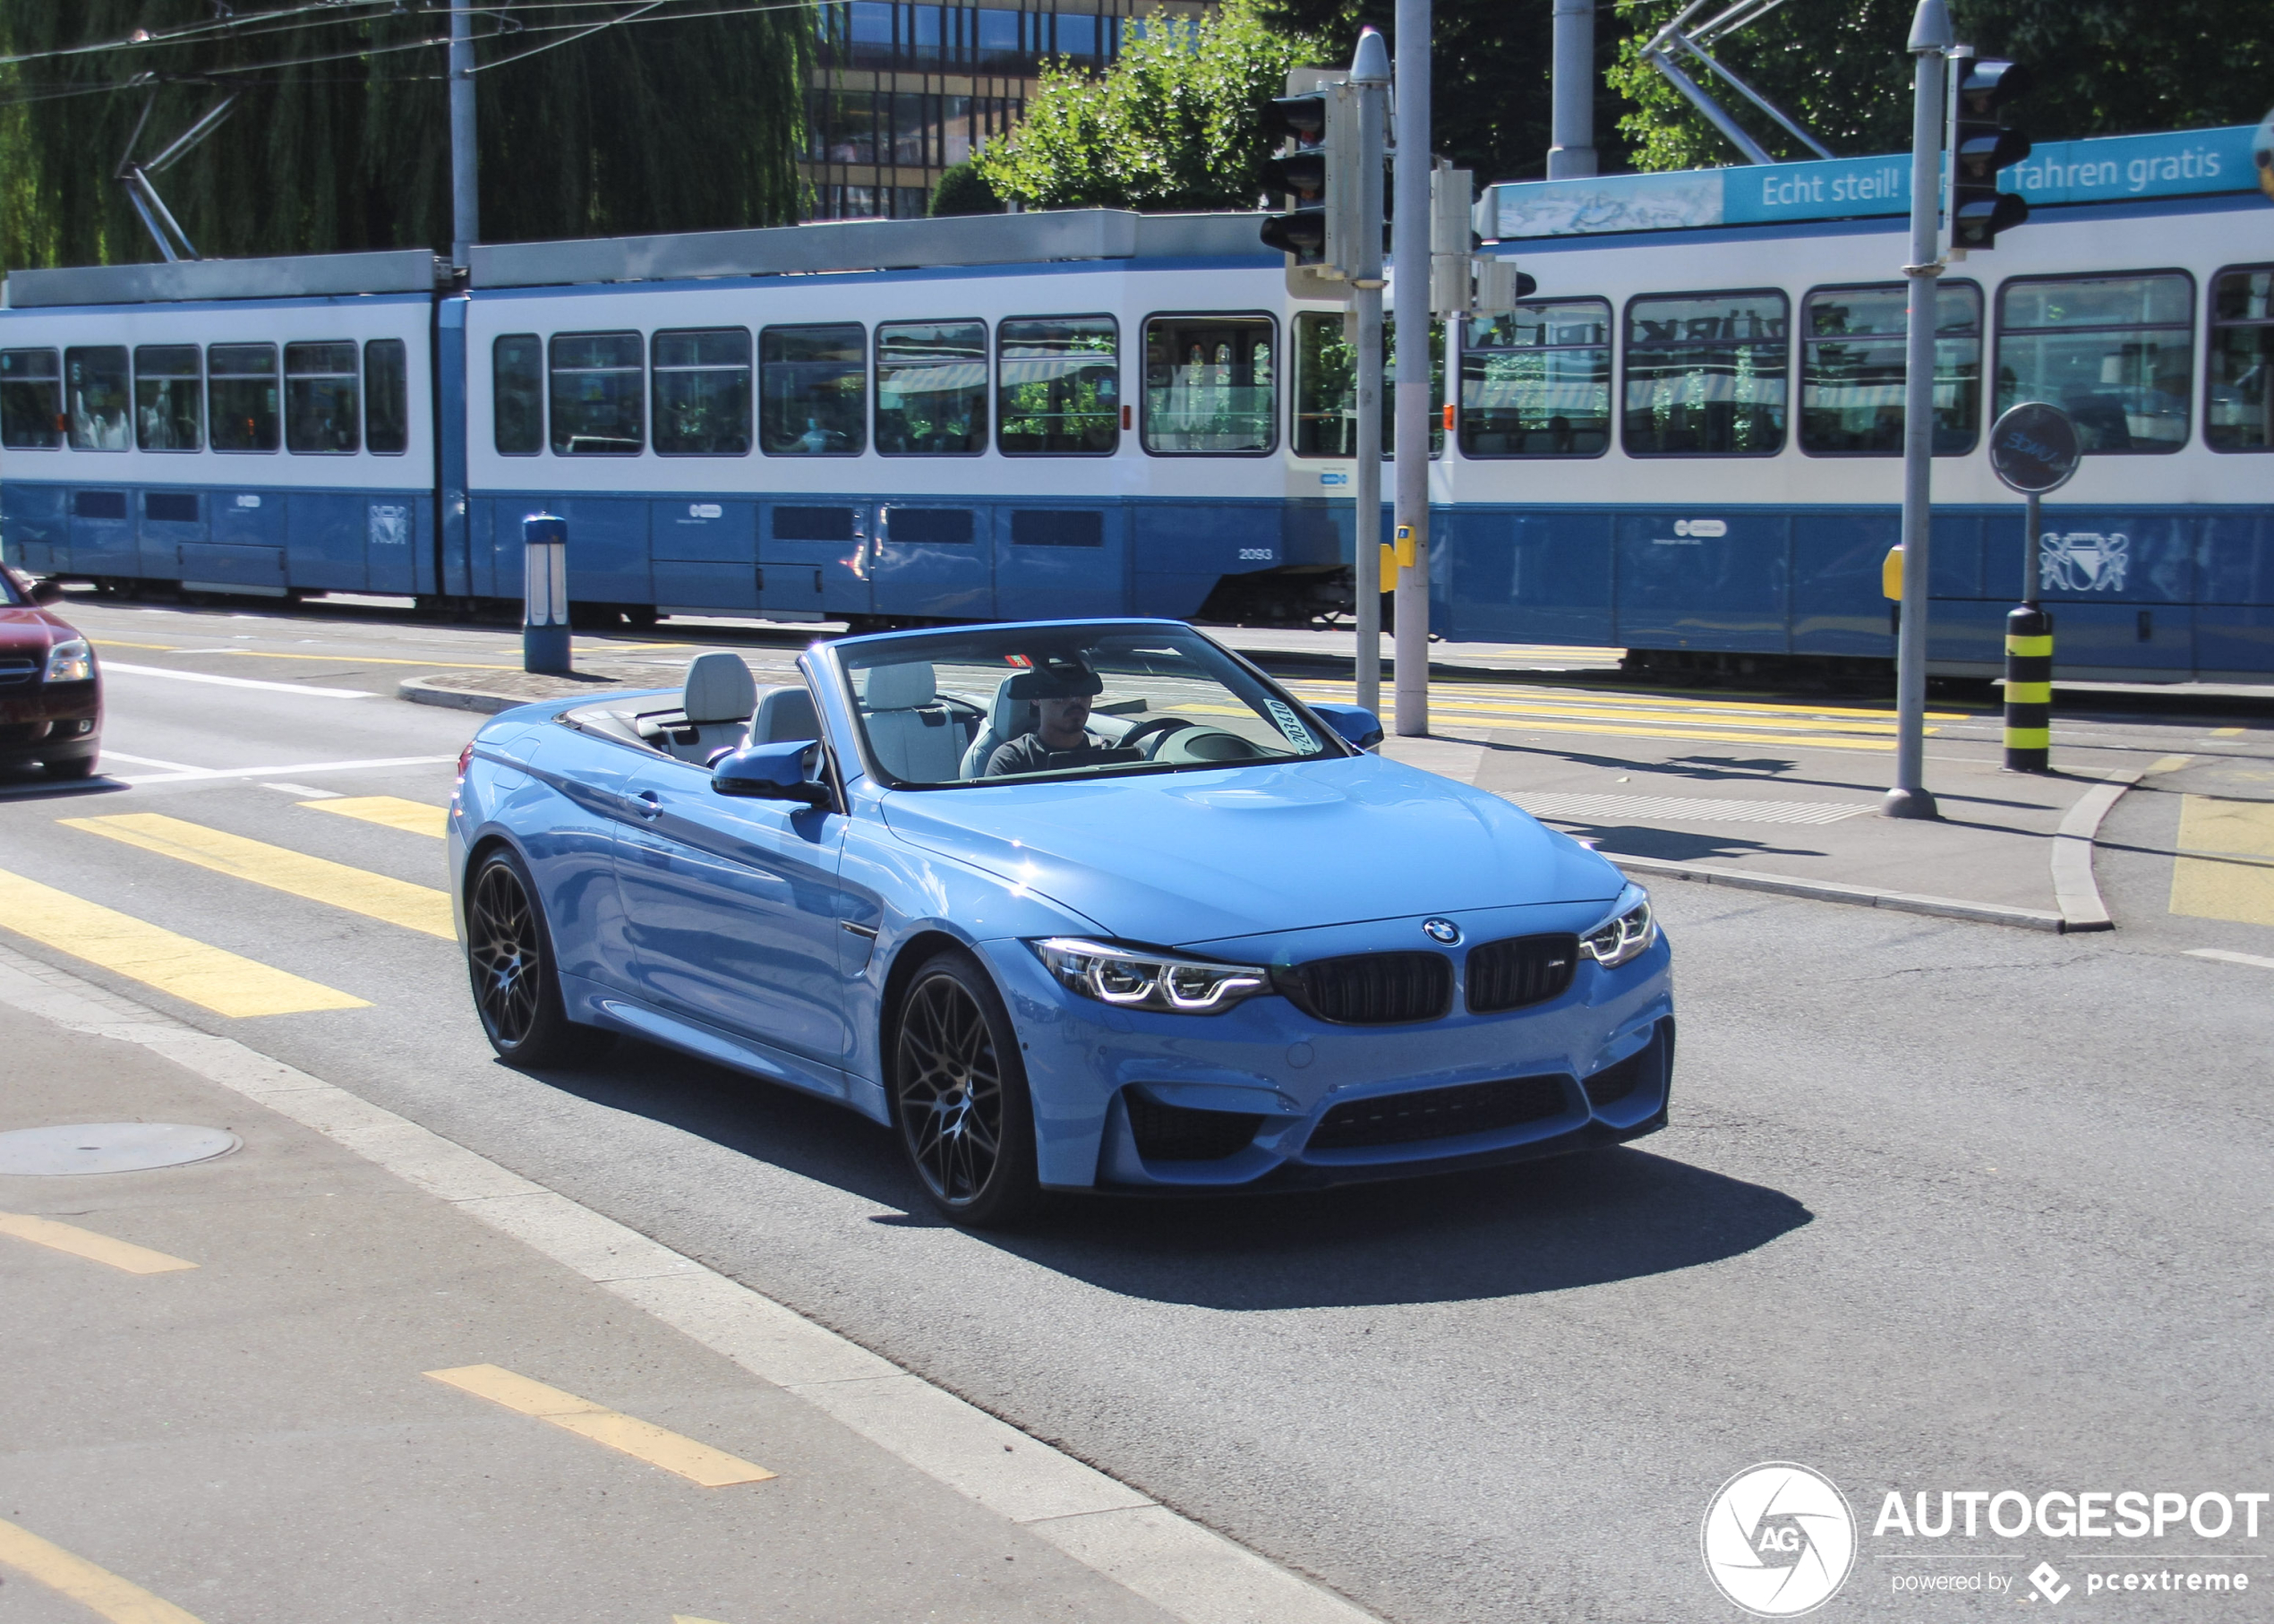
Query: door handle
(761, 569)
(817, 583)
(648, 804)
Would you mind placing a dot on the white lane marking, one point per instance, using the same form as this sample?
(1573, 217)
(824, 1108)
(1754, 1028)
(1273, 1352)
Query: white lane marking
(197, 773)
(2224, 957)
(274, 688)
(308, 791)
(147, 761)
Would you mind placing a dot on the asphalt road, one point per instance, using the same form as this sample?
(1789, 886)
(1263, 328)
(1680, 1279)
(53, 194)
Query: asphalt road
(1942, 1206)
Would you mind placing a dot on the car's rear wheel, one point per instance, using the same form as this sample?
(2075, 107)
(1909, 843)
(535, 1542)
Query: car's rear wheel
(960, 1095)
(509, 956)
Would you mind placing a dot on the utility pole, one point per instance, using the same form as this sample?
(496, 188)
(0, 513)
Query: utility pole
(1410, 250)
(1369, 78)
(1931, 39)
(1572, 95)
(466, 197)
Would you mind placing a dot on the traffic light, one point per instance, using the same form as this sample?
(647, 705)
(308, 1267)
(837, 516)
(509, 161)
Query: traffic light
(1500, 287)
(1316, 174)
(1980, 145)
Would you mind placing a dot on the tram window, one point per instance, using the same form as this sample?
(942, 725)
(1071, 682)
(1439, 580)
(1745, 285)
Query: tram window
(1326, 387)
(240, 396)
(30, 400)
(1210, 385)
(169, 404)
(516, 395)
(95, 385)
(1059, 382)
(322, 414)
(1853, 368)
(598, 403)
(1705, 374)
(2238, 408)
(812, 391)
(1538, 382)
(2112, 352)
(702, 390)
(931, 388)
(387, 397)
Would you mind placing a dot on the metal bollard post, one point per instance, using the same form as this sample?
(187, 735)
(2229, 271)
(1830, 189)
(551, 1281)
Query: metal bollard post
(544, 595)
(2029, 689)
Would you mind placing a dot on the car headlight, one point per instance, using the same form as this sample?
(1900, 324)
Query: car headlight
(1626, 934)
(70, 660)
(1138, 978)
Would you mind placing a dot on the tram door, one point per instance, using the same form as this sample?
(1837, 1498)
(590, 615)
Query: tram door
(931, 560)
(813, 559)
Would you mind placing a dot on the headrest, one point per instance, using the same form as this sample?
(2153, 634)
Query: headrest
(719, 688)
(784, 714)
(901, 688)
(1056, 679)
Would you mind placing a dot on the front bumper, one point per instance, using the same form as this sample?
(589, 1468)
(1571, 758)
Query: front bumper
(1459, 1092)
(50, 721)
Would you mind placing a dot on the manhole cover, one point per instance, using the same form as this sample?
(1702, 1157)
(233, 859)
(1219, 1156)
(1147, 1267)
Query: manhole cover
(111, 1147)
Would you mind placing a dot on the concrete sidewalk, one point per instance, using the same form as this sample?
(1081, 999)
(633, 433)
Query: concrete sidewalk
(350, 1371)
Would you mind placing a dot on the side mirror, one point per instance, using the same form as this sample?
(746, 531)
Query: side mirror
(1358, 726)
(44, 593)
(771, 771)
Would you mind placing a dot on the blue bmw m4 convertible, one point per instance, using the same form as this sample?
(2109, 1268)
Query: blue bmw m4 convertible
(1070, 905)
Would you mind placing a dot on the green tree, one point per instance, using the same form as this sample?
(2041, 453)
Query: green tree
(1175, 124)
(340, 139)
(962, 189)
(2106, 67)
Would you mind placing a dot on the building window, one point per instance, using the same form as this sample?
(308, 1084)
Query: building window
(240, 396)
(703, 392)
(169, 398)
(95, 383)
(516, 395)
(1211, 384)
(598, 404)
(1058, 382)
(31, 400)
(2238, 408)
(2112, 352)
(1538, 382)
(931, 388)
(387, 397)
(322, 414)
(1326, 387)
(1853, 368)
(1707, 374)
(812, 391)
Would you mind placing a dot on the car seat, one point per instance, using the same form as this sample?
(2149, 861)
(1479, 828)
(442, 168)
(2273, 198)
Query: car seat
(1006, 719)
(784, 714)
(914, 737)
(715, 709)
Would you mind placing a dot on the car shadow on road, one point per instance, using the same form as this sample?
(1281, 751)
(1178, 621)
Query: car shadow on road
(1588, 1219)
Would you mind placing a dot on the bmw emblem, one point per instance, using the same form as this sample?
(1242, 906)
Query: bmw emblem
(1441, 930)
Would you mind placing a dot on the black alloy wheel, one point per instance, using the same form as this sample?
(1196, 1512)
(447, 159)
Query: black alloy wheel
(510, 958)
(960, 1096)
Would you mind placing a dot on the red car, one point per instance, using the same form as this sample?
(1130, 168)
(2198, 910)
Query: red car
(51, 695)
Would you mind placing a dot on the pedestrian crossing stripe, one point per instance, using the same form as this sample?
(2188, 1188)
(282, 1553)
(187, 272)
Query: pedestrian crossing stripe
(210, 977)
(388, 811)
(375, 896)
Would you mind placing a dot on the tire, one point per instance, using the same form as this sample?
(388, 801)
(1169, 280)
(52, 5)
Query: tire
(508, 960)
(70, 767)
(959, 1093)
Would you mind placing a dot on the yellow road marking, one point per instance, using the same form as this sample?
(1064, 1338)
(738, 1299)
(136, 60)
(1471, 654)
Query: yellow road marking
(1784, 742)
(97, 1589)
(207, 977)
(375, 896)
(122, 642)
(2169, 763)
(1518, 713)
(393, 811)
(86, 1243)
(2226, 732)
(699, 1462)
(2232, 875)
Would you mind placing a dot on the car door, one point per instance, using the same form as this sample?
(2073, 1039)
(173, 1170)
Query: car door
(732, 910)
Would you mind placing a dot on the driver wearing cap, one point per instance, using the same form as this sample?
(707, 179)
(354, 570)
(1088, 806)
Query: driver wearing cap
(1061, 690)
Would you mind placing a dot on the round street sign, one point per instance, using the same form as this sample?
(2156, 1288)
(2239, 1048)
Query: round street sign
(2034, 448)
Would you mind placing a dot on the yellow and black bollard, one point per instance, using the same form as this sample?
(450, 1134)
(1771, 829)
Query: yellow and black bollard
(2028, 689)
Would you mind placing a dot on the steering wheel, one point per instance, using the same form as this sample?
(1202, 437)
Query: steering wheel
(1163, 725)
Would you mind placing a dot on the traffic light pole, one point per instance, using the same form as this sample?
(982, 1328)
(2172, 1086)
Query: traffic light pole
(1369, 78)
(1931, 40)
(1411, 252)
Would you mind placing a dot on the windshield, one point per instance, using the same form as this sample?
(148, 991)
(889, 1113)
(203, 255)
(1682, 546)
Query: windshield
(1060, 701)
(10, 593)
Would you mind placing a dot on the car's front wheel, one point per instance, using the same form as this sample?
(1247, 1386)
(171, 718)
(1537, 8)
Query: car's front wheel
(509, 956)
(960, 1095)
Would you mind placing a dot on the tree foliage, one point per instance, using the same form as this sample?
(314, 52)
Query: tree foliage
(677, 125)
(962, 189)
(1175, 124)
(2102, 67)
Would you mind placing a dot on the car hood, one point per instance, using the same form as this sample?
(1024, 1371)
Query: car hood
(25, 630)
(1198, 857)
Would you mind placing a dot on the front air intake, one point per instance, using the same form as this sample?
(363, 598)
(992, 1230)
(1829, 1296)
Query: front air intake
(1473, 1107)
